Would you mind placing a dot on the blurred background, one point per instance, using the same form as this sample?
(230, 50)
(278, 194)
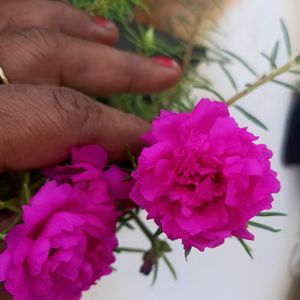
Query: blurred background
(227, 273)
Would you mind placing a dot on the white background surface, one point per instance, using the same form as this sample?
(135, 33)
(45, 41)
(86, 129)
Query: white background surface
(226, 273)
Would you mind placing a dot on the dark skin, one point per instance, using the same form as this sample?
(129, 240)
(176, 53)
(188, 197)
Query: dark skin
(51, 54)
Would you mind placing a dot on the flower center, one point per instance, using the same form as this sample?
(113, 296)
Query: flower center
(194, 173)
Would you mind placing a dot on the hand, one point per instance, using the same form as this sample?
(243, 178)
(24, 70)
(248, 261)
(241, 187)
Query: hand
(44, 55)
(39, 46)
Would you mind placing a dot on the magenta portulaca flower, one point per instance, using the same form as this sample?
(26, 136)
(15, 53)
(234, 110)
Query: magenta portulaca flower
(203, 178)
(67, 238)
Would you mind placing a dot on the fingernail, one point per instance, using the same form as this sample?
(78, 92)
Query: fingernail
(104, 22)
(165, 61)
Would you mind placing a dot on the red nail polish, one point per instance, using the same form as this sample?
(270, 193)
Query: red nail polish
(103, 22)
(165, 61)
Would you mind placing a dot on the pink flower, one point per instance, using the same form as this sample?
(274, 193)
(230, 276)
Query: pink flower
(67, 239)
(203, 178)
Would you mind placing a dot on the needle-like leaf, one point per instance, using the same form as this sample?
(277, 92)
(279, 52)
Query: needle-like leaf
(241, 61)
(155, 272)
(263, 226)
(270, 60)
(286, 37)
(272, 214)
(187, 253)
(251, 117)
(275, 52)
(129, 250)
(211, 90)
(169, 265)
(286, 85)
(295, 72)
(229, 76)
(246, 247)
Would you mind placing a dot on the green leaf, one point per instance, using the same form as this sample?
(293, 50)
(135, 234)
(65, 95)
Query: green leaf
(2, 236)
(128, 225)
(187, 253)
(229, 76)
(169, 265)
(125, 224)
(295, 72)
(11, 205)
(286, 37)
(246, 247)
(211, 90)
(130, 250)
(204, 81)
(241, 61)
(272, 214)
(163, 246)
(271, 61)
(155, 273)
(297, 59)
(286, 85)
(219, 54)
(275, 52)
(263, 226)
(251, 117)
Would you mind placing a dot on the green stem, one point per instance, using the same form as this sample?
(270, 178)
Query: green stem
(157, 233)
(26, 193)
(264, 79)
(37, 184)
(10, 205)
(143, 227)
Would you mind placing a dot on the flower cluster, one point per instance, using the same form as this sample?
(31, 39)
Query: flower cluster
(201, 179)
(67, 238)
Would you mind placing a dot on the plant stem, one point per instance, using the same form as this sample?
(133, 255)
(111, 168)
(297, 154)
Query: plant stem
(11, 225)
(262, 80)
(143, 227)
(37, 184)
(10, 205)
(157, 233)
